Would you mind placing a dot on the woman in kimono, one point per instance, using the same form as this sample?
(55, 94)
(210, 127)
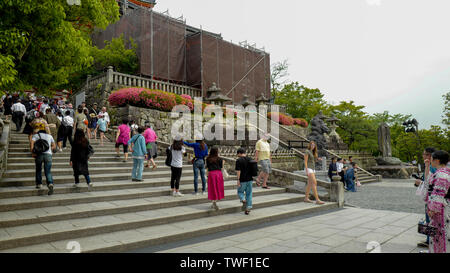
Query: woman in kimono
(438, 202)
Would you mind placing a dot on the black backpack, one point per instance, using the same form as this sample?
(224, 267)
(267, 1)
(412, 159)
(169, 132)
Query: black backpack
(40, 146)
(169, 157)
(253, 166)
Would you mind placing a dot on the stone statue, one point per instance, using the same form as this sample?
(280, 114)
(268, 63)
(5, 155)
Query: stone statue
(384, 140)
(318, 129)
(384, 145)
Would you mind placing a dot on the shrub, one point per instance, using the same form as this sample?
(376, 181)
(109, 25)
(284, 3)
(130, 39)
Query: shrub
(301, 122)
(152, 99)
(283, 119)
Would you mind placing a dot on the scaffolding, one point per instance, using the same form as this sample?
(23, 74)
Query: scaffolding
(170, 50)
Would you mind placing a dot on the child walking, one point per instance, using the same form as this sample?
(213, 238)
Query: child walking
(216, 190)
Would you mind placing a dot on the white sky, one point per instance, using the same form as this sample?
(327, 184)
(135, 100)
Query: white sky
(385, 54)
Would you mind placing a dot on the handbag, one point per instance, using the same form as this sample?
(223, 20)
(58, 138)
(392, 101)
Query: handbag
(427, 229)
(421, 190)
(358, 184)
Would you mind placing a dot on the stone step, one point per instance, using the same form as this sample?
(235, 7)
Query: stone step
(65, 179)
(193, 222)
(12, 192)
(166, 218)
(76, 211)
(63, 155)
(67, 170)
(66, 151)
(20, 142)
(28, 202)
(95, 158)
(92, 164)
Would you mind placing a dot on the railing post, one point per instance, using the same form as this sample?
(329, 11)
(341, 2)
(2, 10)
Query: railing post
(337, 191)
(109, 74)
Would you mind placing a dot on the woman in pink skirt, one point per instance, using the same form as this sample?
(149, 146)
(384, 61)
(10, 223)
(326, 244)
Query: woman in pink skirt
(216, 190)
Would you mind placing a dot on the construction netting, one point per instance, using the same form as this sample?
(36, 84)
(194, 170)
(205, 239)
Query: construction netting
(167, 51)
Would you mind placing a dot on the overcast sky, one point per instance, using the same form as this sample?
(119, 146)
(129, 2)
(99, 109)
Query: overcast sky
(385, 54)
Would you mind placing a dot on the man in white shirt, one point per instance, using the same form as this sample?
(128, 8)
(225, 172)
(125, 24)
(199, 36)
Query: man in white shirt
(340, 169)
(18, 112)
(44, 157)
(65, 131)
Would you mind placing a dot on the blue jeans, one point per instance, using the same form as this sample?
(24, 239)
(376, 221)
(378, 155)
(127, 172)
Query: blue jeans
(138, 168)
(247, 188)
(47, 160)
(199, 166)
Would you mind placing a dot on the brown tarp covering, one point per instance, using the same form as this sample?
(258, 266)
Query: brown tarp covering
(167, 53)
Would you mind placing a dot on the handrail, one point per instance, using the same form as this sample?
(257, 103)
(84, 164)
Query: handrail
(327, 151)
(298, 177)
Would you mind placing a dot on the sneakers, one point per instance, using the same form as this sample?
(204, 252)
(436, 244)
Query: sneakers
(203, 192)
(75, 185)
(179, 194)
(39, 186)
(195, 193)
(50, 189)
(174, 194)
(90, 185)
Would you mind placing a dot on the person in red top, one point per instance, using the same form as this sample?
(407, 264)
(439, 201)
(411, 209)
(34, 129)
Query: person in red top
(150, 141)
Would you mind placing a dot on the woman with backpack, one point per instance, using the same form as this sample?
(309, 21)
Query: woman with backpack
(216, 190)
(139, 151)
(79, 156)
(175, 153)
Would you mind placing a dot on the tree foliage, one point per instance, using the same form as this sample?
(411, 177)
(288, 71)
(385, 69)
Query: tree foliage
(446, 114)
(43, 42)
(359, 129)
(279, 72)
(300, 101)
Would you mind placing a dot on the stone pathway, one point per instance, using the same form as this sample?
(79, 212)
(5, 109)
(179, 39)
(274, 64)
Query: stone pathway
(347, 230)
(390, 194)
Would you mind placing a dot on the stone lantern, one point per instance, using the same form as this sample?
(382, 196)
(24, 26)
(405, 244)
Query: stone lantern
(215, 95)
(262, 100)
(246, 102)
(333, 126)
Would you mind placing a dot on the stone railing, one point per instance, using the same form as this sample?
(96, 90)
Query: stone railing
(120, 79)
(278, 177)
(4, 145)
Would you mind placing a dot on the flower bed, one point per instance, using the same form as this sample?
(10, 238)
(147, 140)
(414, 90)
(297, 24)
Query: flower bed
(289, 121)
(152, 99)
(301, 122)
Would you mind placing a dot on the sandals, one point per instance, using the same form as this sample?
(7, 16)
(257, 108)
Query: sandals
(320, 203)
(244, 205)
(308, 201)
(258, 184)
(267, 188)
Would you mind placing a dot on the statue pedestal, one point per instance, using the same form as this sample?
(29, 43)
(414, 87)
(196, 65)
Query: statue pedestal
(394, 171)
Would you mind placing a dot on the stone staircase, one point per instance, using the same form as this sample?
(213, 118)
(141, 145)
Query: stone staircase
(117, 214)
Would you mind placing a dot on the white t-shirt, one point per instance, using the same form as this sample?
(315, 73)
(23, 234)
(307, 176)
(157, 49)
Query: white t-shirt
(339, 166)
(67, 121)
(46, 137)
(105, 116)
(177, 157)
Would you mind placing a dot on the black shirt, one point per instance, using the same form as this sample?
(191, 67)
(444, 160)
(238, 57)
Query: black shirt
(214, 166)
(243, 165)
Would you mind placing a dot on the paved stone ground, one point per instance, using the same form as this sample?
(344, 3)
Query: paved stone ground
(347, 230)
(390, 194)
(387, 213)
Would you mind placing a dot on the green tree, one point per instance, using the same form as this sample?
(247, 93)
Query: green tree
(43, 42)
(300, 101)
(117, 53)
(279, 72)
(446, 114)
